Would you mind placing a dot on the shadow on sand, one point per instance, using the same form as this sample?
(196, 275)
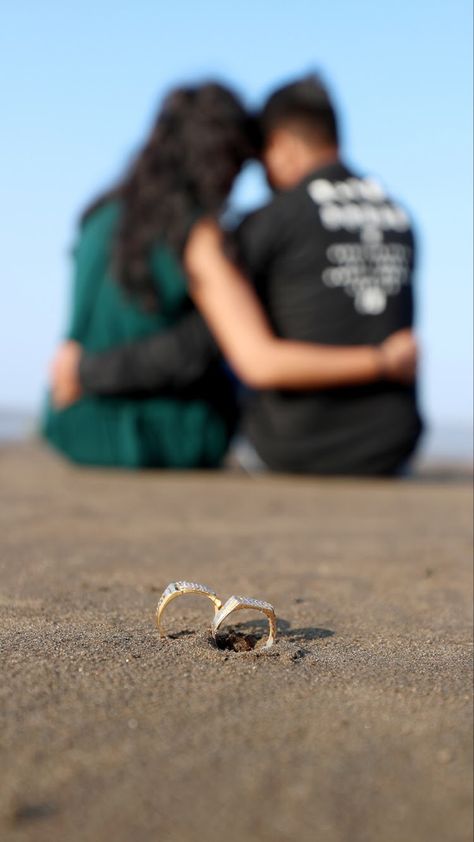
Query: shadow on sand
(252, 630)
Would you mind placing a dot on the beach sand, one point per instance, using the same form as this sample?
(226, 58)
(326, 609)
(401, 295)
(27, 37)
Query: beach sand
(355, 727)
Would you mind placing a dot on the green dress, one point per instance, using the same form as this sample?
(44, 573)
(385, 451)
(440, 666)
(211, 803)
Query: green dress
(161, 431)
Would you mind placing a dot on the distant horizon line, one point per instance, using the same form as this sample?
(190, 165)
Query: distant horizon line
(30, 412)
(444, 440)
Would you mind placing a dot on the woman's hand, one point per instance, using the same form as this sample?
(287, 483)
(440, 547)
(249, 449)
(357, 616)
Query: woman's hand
(399, 356)
(65, 384)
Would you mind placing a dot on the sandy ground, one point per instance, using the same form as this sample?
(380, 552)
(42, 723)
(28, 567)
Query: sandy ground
(355, 727)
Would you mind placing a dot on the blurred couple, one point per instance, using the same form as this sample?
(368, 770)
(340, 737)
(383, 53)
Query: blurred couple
(308, 302)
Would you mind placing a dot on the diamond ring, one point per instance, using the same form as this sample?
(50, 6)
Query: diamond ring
(240, 603)
(179, 589)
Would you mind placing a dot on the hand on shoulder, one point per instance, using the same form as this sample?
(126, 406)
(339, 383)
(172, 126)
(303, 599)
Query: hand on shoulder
(399, 356)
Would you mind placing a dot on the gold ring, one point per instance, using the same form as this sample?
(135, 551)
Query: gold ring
(240, 603)
(179, 589)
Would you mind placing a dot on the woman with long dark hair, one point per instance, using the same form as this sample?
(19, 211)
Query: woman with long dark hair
(148, 252)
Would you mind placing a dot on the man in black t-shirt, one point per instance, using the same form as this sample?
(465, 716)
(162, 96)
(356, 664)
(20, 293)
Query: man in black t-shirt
(332, 258)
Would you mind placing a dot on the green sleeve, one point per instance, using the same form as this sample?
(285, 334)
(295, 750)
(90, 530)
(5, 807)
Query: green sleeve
(91, 258)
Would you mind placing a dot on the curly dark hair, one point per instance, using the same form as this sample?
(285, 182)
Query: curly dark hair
(196, 147)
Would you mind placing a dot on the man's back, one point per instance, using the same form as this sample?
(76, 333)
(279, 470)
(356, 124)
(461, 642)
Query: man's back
(332, 260)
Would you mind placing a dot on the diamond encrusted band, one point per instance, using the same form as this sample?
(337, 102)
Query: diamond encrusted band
(175, 589)
(239, 603)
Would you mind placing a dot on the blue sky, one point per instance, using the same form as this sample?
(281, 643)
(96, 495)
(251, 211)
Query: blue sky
(80, 81)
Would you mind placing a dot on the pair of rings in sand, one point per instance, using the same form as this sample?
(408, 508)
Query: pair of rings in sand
(221, 610)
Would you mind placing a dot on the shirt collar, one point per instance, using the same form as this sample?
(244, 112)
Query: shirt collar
(336, 171)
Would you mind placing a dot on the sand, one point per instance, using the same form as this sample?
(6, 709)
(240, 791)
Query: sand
(355, 727)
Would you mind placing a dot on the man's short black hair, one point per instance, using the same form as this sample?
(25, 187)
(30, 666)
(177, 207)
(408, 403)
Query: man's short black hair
(304, 105)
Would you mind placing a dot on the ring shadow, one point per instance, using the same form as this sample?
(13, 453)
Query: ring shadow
(182, 633)
(284, 630)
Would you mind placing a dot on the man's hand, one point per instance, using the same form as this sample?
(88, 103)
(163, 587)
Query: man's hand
(399, 356)
(65, 385)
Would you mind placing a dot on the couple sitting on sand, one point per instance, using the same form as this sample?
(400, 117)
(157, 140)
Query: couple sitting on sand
(309, 303)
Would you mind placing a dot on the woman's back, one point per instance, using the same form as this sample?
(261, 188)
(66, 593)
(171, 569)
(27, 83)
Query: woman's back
(103, 313)
(171, 430)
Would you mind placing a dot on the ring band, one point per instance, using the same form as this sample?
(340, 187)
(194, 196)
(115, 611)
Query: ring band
(239, 603)
(175, 589)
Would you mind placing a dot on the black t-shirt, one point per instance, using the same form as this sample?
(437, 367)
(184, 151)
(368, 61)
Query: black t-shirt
(332, 260)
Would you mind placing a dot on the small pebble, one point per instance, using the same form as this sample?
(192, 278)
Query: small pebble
(444, 756)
